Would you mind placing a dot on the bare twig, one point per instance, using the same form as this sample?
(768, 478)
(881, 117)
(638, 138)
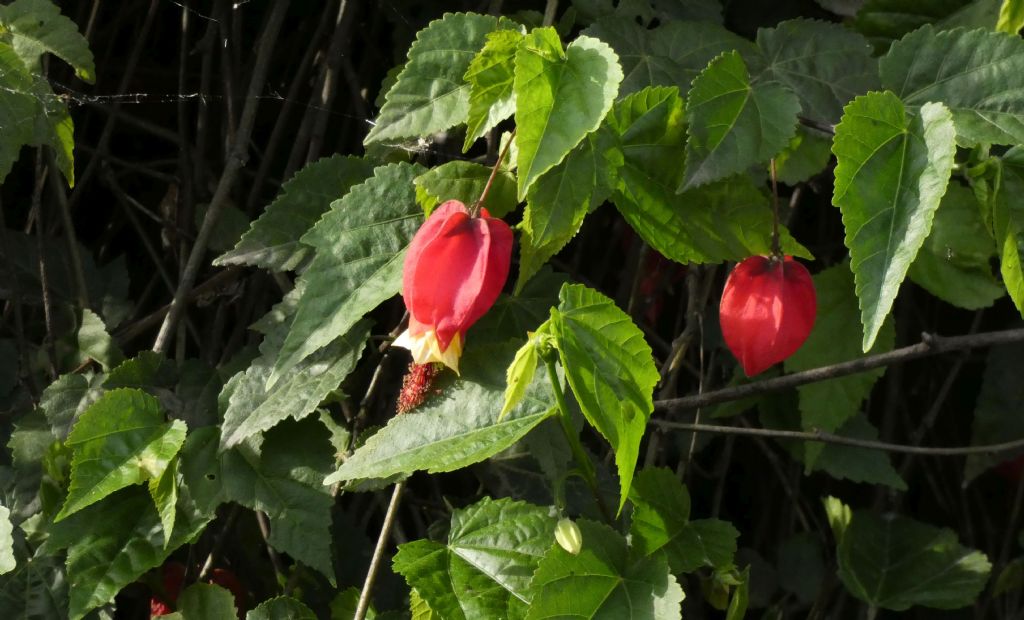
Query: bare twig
(930, 345)
(235, 162)
(378, 552)
(832, 438)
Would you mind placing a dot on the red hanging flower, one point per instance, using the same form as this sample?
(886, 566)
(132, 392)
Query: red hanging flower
(767, 311)
(454, 270)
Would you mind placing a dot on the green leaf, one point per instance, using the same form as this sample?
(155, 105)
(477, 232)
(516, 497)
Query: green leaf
(282, 475)
(883, 21)
(611, 370)
(19, 109)
(801, 566)
(734, 124)
(164, 491)
(514, 316)
(492, 550)
(95, 343)
(670, 55)
(604, 581)
(282, 608)
(894, 562)
(997, 412)
(520, 373)
(418, 608)
(119, 441)
(827, 405)
(465, 181)
(976, 74)
(953, 263)
(252, 408)
(37, 27)
(1008, 224)
(892, 173)
(729, 220)
(459, 428)
(430, 94)
(36, 590)
(557, 203)
(360, 246)
(64, 400)
(114, 542)
(343, 606)
(490, 76)
(1011, 17)
(853, 463)
(7, 560)
(806, 156)
(273, 240)
(824, 64)
(740, 599)
(661, 520)
(562, 97)
(204, 601)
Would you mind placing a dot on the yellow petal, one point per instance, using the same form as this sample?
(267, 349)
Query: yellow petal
(426, 349)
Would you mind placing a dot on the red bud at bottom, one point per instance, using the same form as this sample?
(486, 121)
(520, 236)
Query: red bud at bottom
(767, 311)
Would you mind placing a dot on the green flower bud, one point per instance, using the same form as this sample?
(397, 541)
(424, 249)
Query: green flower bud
(568, 536)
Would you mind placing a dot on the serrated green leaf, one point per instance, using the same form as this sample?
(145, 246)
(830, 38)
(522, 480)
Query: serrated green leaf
(851, 462)
(458, 429)
(490, 76)
(7, 559)
(492, 550)
(119, 441)
(419, 609)
(563, 96)
(997, 411)
(661, 520)
(827, 405)
(465, 181)
(611, 370)
(430, 94)
(19, 109)
(112, 543)
(734, 124)
(670, 55)
(1011, 16)
(823, 63)
(729, 220)
(282, 608)
(892, 173)
(37, 27)
(1008, 223)
(64, 400)
(807, 155)
(204, 601)
(164, 491)
(360, 245)
(953, 263)
(557, 203)
(343, 606)
(252, 408)
(282, 475)
(894, 562)
(604, 581)
(976, 74)
(95, 343)
(36, 590)
(273, 240)
(740, 599)
(514, 316)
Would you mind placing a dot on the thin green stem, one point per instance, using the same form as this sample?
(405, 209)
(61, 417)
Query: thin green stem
(565, 418)
(776, 249)
(475, 209)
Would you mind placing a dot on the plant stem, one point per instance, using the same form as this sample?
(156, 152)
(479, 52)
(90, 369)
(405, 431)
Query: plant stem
(378, 552)
(776, 250)
(475, 209)
(930, 344)
(565, 418)
(832, 438)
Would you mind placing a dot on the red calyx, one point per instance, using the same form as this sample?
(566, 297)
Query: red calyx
(767, 311)
(454, 270)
